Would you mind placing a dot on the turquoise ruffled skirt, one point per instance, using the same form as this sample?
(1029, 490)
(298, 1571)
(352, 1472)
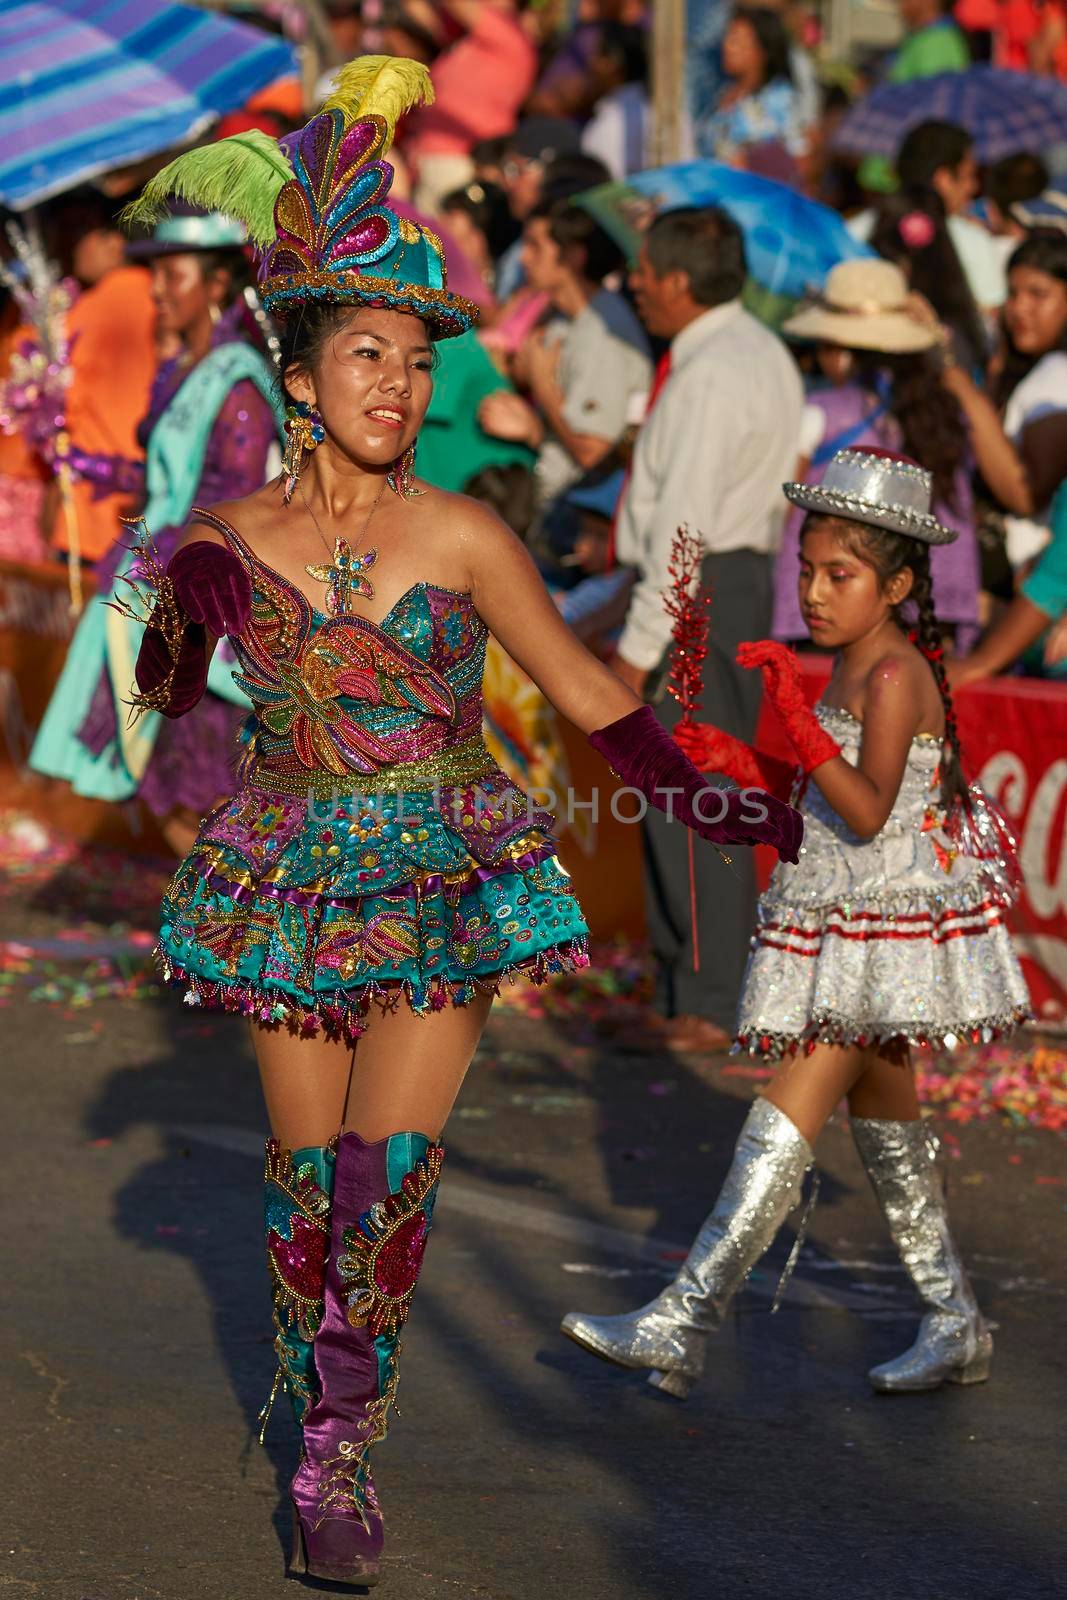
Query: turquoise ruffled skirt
(286, 915)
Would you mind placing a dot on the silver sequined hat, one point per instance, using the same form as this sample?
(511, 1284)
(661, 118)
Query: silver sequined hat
(872, 486)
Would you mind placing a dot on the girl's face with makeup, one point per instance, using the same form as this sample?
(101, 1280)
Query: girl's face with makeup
(841, 597)
(371, 384)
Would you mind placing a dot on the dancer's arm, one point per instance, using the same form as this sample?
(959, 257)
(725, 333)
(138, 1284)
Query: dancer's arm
(204, 594)
(714, 751)
(510, 596)
(864, 795)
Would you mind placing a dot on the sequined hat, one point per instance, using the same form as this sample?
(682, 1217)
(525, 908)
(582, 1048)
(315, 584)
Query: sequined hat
(878, 488)
(314, 203)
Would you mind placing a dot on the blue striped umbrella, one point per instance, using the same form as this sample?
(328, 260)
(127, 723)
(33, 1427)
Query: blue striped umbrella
(88, 85)
(1004, 112)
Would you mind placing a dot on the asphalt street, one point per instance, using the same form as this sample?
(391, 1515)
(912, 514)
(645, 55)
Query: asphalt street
(137, 1345)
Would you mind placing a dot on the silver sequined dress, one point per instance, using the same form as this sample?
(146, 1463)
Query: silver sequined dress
(897, 936)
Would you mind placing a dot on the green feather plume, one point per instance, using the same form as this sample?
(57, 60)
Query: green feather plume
(241, 177)
(384, 86)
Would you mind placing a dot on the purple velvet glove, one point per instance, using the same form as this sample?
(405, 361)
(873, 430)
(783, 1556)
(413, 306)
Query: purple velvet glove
(154, 663)
(644, 756)
(212, 587)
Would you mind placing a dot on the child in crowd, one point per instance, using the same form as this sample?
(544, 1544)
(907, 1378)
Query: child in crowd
(889, 933)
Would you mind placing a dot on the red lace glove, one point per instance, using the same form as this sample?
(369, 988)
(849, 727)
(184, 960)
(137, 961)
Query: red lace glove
(784, 689)
(212, 587)
(714, 751)
(644, 756)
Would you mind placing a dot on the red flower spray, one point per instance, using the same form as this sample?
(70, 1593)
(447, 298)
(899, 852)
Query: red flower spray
(686, 603)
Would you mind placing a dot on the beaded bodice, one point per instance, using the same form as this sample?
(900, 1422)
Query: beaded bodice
(912, 857)
(917, 796)
(381, 706)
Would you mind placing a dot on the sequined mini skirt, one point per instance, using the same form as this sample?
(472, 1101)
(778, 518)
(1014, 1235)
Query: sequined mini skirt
(305, 912)
(916, 967)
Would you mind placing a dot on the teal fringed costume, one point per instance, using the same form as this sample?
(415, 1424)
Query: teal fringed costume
(373, 846)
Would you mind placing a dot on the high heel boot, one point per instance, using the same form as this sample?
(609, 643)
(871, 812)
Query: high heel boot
(954, 1344)
(383, 1198)
(670, 1333)
(297, 1190)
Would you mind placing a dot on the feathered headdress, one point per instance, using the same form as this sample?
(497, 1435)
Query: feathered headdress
(314, 202)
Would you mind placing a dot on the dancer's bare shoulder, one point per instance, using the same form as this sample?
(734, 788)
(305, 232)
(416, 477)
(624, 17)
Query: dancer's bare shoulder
(251, 516)
(460, 530)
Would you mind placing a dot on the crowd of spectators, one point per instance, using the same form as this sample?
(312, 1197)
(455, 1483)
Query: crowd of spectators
(951, 344)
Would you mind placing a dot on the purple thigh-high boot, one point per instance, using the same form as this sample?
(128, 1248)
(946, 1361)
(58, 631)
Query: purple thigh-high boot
(383, 1198)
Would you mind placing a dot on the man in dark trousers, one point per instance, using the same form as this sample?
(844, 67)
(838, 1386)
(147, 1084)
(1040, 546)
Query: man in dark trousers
(713, 453)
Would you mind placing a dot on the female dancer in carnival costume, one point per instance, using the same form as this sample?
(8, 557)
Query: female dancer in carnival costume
(213, 420)
(375, 876)
(889, 933)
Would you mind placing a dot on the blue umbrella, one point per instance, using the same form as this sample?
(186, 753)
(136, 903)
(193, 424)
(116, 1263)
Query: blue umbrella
(88, 85)
(1004, 112)
(791, 242)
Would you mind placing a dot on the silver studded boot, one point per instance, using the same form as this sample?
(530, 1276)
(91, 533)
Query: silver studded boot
(670, 1333)
(953, 1345)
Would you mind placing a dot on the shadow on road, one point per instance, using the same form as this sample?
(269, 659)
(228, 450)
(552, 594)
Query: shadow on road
(782, 1476)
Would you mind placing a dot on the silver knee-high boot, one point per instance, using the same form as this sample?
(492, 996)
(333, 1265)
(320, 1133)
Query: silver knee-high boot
(670, 1333)
(953, 1345)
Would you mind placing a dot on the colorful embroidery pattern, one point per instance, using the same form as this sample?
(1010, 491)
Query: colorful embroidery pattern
(384, 1253)
(297, 1216)
(302, 905)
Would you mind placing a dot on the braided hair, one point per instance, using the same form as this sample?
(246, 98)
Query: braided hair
(927, 635)
(889, 553)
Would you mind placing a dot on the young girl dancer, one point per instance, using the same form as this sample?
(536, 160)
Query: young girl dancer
(888, 934)
(375, 876)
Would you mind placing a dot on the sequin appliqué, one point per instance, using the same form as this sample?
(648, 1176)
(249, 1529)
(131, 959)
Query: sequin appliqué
(383, 1253)
(297, 1214)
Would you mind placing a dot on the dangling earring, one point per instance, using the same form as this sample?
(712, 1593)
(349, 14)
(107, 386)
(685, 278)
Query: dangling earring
(402, 475)
(304, 430)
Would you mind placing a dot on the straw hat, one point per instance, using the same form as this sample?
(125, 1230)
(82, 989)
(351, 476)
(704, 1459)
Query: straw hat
(863, 306)
(878, 488)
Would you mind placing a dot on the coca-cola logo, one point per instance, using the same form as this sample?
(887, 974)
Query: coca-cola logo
(1040, 816)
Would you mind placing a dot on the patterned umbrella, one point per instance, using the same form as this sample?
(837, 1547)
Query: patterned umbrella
(791, 242)
(88, 85)
(1004, 112)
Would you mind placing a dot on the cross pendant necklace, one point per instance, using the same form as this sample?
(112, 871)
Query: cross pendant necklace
(344, 576)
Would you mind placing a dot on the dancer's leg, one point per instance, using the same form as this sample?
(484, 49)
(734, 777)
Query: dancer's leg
(886, 1090)
(954, 1344)
(762, 1186)
(808, 1088)
(305, 1084)
(406, 1073)
(409, 1069)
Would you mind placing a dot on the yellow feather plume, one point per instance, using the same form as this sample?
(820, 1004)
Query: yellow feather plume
(384, 86)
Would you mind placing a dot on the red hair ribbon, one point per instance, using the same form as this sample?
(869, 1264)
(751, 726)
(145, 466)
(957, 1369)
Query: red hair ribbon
(931, 652)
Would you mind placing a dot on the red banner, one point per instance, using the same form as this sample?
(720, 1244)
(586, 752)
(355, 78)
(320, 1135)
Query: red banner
(1014, 737)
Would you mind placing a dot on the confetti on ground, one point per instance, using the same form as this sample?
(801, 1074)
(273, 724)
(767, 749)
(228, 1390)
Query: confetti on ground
(110, 901)
(1023, 1086)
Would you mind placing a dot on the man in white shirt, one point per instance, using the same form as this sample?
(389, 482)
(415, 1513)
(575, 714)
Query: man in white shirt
(583, 372)
(713, 454)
